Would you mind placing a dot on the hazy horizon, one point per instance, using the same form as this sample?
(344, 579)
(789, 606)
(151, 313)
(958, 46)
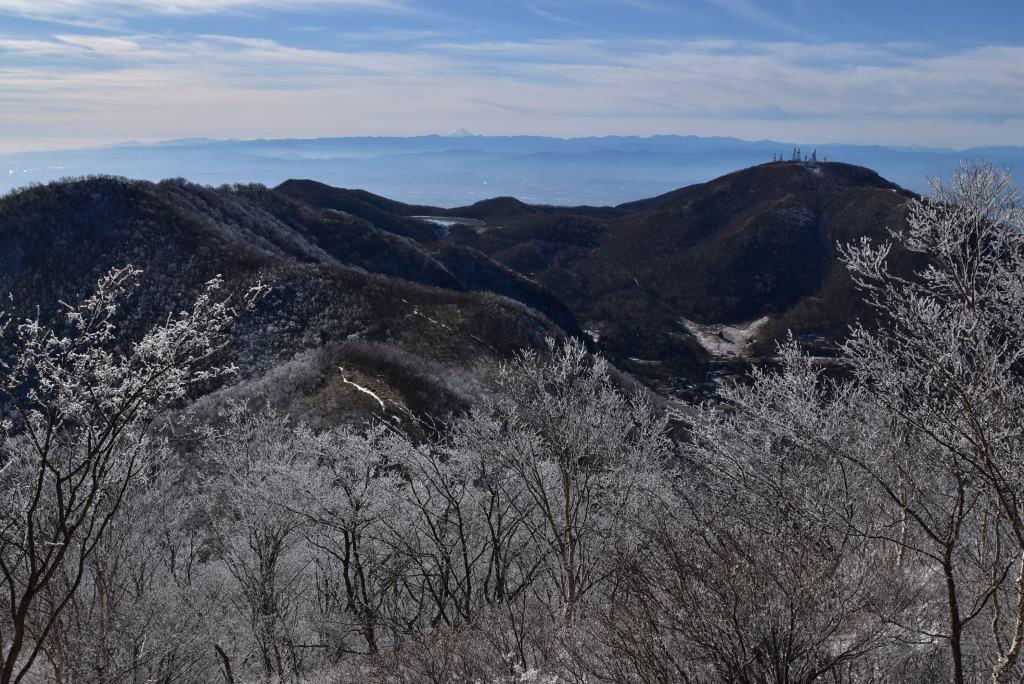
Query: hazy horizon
(445, 170)
(465, 133)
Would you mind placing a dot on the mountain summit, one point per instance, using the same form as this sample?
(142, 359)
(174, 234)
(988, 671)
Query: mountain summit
(462, 133)
(756, 243)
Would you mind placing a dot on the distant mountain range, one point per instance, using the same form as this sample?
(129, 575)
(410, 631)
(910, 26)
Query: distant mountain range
(462, 168)
(421, 303)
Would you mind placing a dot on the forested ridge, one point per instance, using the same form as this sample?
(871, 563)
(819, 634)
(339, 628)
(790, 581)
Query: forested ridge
(300, 435)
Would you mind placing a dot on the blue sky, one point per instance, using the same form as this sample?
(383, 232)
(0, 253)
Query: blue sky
(79, 72)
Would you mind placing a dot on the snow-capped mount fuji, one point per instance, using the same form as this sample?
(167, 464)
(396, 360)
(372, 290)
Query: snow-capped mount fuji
(462, 133)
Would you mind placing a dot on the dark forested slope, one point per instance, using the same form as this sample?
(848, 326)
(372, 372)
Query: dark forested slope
(344, 293)
(758, 242)
(361, 282)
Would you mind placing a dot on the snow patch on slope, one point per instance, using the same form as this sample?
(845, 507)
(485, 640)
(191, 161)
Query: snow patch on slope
(725, 340)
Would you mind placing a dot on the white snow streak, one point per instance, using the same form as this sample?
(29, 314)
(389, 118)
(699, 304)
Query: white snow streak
(362, 389)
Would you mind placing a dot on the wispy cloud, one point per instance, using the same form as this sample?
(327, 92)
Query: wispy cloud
(64, 9)
(645, 5)
(748, 10)
(36, 48)
(552, 16)
(159, 86)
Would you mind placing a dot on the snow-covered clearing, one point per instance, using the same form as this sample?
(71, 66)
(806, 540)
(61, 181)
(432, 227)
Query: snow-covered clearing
(725, 340)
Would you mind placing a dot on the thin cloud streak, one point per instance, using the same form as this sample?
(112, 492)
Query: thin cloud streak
(64, 9)
(749, 11)
(151, 86)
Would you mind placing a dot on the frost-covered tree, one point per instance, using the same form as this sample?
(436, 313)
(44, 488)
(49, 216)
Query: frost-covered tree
(131, 620)
(946, 362)
(782, 548)
(585, 455)
(253, 473)
(348, 499)
(77, 442)
(890, 500)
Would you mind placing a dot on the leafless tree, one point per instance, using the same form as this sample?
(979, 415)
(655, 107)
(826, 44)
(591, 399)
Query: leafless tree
(78, 444)
(947, 363)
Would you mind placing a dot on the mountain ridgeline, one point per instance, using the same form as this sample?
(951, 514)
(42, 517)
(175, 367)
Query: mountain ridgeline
(420, 304)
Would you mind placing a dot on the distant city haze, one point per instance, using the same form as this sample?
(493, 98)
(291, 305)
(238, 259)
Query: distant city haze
(462, 168)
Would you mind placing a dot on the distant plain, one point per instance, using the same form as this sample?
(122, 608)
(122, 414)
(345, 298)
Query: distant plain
(458, 170)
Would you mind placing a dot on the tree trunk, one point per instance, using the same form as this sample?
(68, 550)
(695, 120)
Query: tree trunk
(955, 625)
(229, 678)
